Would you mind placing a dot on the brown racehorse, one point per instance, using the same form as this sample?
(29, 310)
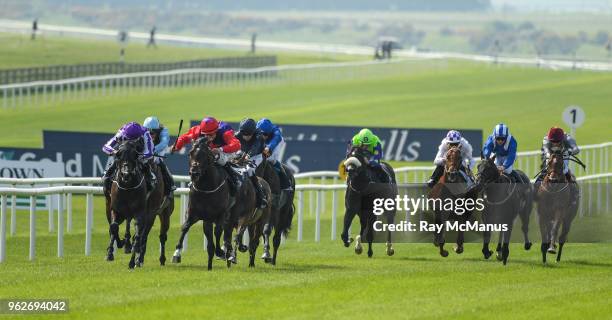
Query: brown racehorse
(452, 185)
(555, 209)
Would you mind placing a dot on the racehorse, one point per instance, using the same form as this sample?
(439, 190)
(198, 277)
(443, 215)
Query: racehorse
(504, 200)
(282, 210)
(555, 209)
(128, 199)
(362, 188)
(452, 185)
(209, 199)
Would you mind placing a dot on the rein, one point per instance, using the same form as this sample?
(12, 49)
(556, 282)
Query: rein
(129, 188)
(195, 188)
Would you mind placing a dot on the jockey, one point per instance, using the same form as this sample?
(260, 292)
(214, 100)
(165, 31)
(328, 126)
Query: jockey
(222, 142)
(453, 138)
(161, 138)
(273, 146)
(557, 140)
(252, 142)
(130, 131)
(504, 146)
(368, 141)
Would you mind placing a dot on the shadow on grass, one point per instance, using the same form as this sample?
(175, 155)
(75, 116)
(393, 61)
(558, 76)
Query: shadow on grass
(261, 267)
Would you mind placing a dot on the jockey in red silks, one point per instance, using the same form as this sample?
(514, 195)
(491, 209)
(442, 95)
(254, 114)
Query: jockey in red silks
(221, 141)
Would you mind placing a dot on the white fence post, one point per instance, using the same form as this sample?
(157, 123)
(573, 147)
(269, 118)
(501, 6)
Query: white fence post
(300, 232)
(32, 227)
(69, 212)
(318, 217)
(60, 226)
(3, 228)
(334, 213)
(88, 223)
(13, 214)
(50, 207)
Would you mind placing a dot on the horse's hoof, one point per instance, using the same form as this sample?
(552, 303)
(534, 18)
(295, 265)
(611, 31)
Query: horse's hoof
(220, 256)
(268, 260)
(110, 257)
(127, 249)
(370, 254)
(251, 265)
(444, 253)
(229, 263)
(131, 265)
(528, 245)
(551, 251)
(162, 261)
(243, 248)
(487, 254)
(120, 244)
(458, 249)
(499, 256)
(358, 246)
(266, 255)
(176, 259)
(390, 250)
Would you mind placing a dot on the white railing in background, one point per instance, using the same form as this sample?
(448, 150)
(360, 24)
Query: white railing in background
(57, 91)
(595, 156)
(319, 191)
(232, 43)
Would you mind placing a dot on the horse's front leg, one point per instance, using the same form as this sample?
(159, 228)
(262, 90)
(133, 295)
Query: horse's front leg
(389, 245)
(127, 237)
(176, 258)
(227, 242)
(267, 231)
(217, 243)
(439, 233)
(349, 215)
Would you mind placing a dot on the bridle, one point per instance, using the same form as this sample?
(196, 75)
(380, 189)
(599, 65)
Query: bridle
(124, 158)
(198, 168)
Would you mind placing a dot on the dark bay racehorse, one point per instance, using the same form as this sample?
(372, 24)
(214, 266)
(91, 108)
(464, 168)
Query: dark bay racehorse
(282, 209)
(555, 208)
(128, 199)
(504, 200)
(209, 199)
(452, 185)
(362, 189)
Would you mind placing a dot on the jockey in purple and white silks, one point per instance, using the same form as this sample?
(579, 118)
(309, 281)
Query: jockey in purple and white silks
(453, 139)
(130, 131)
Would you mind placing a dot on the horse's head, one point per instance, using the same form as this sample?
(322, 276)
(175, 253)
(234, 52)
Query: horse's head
(200, 158)
(129, 171)
(452, 164)
(487, 171)
(554, 167)
(356, 161)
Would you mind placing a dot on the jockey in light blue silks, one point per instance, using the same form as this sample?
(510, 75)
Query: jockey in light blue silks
(453, 139)
(274, 144)
(504, 146)
(161, 139)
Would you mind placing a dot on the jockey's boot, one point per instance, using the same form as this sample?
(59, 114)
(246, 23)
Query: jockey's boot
(150, 177)
(107, 179)
(167, 177)
(262, 202)
(282, 175)
(234, 182)
(574, 189)
(515, 177)
(435, 176)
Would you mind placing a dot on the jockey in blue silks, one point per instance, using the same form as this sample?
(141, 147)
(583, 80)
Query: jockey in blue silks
(274, 144)
(504, 146)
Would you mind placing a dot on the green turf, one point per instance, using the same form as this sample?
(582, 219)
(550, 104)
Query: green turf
(18, 51)
(323, 280)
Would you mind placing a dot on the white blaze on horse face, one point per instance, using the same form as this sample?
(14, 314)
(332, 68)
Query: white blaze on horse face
(352, 161)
